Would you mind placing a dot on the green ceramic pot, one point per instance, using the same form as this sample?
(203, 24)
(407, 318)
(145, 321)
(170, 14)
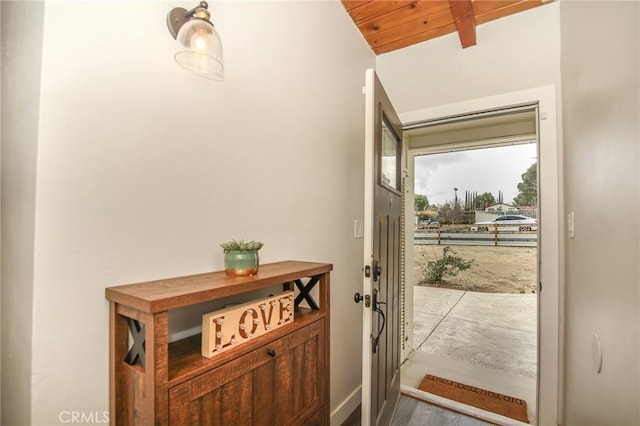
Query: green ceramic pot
(241, 263)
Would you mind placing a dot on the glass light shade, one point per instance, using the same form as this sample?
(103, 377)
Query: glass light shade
(199, 49)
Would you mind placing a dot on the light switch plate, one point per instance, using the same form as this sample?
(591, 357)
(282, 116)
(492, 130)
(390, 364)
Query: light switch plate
(358, 229)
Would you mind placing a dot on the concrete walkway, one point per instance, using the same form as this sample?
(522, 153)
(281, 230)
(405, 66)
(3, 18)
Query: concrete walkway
(486, 340)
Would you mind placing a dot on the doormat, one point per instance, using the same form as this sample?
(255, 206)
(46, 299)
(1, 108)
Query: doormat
(487, 400)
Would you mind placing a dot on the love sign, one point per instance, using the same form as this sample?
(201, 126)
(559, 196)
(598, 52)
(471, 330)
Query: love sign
(233, 326)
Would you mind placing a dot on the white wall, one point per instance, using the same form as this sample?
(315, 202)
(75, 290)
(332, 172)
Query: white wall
(600, 81)
(143, 169)
(21, 30)
(515, 53)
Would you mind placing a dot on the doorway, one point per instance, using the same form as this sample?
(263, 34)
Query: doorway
(475, 270)
(541, 103)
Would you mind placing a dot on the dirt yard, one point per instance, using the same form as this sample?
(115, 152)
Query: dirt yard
(494, 269)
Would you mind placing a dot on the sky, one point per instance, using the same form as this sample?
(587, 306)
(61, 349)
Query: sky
(481, 170)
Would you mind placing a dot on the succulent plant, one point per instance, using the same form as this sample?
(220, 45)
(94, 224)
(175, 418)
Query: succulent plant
(241, 245)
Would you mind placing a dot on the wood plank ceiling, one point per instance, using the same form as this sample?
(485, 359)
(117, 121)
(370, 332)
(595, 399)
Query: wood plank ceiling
(390, 25)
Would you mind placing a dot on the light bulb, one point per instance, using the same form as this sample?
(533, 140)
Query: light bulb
(200, 43)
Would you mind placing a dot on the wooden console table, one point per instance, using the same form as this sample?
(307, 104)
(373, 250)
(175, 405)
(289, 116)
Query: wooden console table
(281, 377)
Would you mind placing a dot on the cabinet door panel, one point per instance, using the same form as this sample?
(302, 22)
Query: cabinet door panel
(298, 379)
(236, 401)
(312, 355)
(263, 400)
(210, 408)
(257, 388)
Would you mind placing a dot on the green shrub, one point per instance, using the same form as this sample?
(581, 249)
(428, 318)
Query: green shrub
(449, 265)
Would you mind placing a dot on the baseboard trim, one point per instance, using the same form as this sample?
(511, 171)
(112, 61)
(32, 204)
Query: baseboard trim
(342, 412)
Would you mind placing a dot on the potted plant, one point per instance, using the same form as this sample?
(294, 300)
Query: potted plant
(241, 257)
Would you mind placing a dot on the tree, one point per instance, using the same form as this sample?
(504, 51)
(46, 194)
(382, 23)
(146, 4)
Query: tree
(528, 188)
(445, 212)
(449, 213)
(421, 202)
(485, 200)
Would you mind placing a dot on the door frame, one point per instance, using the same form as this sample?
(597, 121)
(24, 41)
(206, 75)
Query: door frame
(550, 247)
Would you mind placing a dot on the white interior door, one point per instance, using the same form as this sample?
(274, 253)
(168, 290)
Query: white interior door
(383, 223)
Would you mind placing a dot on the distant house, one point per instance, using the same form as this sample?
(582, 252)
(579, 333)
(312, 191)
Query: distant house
(501, 208)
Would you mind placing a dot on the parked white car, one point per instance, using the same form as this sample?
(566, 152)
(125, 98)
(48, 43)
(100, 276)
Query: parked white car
(520, 223)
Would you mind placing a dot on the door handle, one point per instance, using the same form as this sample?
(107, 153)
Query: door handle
(376, 308)
(358, 298)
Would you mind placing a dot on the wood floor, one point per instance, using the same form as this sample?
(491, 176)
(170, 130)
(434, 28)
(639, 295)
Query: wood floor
(412, 412)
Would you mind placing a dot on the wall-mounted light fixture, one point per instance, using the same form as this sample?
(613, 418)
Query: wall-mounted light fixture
(198, 48)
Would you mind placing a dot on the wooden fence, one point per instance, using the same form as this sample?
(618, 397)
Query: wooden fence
(496, 234)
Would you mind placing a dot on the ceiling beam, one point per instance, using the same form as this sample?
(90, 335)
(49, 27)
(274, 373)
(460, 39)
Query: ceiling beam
(462, 11)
